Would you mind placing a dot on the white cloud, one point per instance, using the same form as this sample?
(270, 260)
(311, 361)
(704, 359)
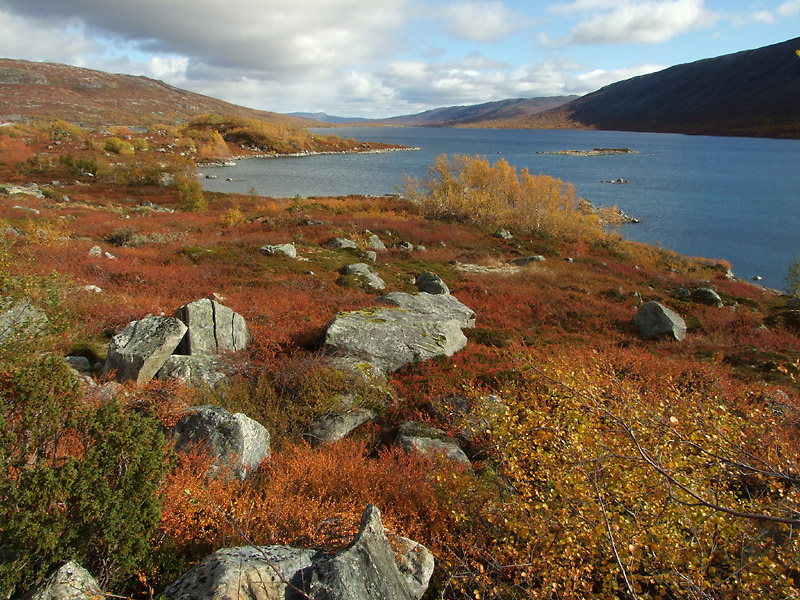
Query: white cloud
(479, 21)
(789, 8)
(55, 44)
(637, 21)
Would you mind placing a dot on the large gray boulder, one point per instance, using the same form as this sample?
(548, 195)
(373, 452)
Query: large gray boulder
(375, 243)
(369, 280)
(706, 295)
(368, 569)
(68, 582)
(340, 244)
(333, 426)
(440, 306)
(195, 370)
(431, 283)
(140, 350)
(212, 328)
(19, 320)
(420, 438)
(237, 442)
(287, 250)
(654, 320)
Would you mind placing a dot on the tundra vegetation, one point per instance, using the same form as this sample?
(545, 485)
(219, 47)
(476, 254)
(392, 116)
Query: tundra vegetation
(604, 466)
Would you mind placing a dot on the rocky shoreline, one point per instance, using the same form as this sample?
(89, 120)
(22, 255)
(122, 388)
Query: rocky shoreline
(594, 152)
(229, 162)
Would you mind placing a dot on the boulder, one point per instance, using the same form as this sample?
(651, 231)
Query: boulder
(503, 234)
(405, 246)
(95, 252)
(431, 283)
(237, 442)
(141, 349)
(428, 441)
(526, 260)
(369, 280)
(375, 243)
(287, 250)
(19, 320)
(194, 370)
(333, 426)
(368, 569)
(212, 328)
(68, 582)
(12, 189)
(438, 305)
(339, 244)
(654, 320)
(706, 295)
(370, 255)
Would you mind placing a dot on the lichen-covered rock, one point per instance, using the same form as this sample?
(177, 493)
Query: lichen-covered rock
(440, 306)
(212, 328)
(195, 370)
(237, 442)
(19, 320)
(333, 426)
(340, 243)
(141, 349)
(287, 250)
(503, 234)
(369, 280)
(415, 563)
(428, 441)
(431, 283)
(68, 582)
(654, 320)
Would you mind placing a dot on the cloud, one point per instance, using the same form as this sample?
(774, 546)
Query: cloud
(633, 21)
(789, 8)
(56, 43)
(479, 21)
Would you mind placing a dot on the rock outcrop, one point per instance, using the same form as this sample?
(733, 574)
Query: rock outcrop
(368, 569)
(68, 582)
(237, 442)
(287, 250)
(654, 320)
(194, 370)
(212, 328)
(19, 319)
(142, 348)
(417, 327)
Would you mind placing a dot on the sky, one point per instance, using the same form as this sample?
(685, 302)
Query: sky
(379, 58)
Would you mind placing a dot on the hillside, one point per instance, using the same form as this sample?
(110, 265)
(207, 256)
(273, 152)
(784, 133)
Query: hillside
(34, 91)
(749, 93)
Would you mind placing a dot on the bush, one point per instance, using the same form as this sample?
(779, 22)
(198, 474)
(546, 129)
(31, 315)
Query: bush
(190, 194)
(78, 482)
(117, 146)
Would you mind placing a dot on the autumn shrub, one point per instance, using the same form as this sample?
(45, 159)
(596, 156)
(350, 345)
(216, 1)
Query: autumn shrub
(190, 194)
(78, 481)
(117, 146)
(492, 196)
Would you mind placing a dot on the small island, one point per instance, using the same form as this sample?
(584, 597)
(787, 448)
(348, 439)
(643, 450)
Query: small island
(594, 152)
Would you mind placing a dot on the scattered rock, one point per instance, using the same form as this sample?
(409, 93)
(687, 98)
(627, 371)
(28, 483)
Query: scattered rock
(90, 288)
(706, 295)
(80, 363)
(287, 250)
(375, 243)
(431, 283)
(68, 582)
(503, 234)
(339, 243)
(369, 280)
(312, 223)
(334, 426)
(212, 328)
(526, 260)
(405, 246)
(12, 189)
(237, 442)
(20, 319)
(370, 255)
(654, 320)
(142, 348)
(196, 370)
(428, 441)
(95, 252)
(33, 211)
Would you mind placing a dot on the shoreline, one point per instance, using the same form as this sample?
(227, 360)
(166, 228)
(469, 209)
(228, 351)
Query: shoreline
(305, 153)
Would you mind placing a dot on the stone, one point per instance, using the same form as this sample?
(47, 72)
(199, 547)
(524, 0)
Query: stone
(237, 442)
(375, 243)
(287, 250)
(91, 288)
(95, 252)
(339, 244)
(431, 283)
(682, 293)
(212, 328)
(369, 280)
(706, 295)
(405, 246)
(429, 441)
(370, 255)
(80, 363)
(142, 347)
(334, 426)
(70, 581)
(12, 189)
(415, 563)
(503, 234)
(195, 370)
(19, 320)
(440, 306)
(654, 320)
(109, 256)
(526, 260)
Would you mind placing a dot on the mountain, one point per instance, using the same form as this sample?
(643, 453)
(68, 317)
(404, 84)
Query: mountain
(326, 118)
(455, 116)
(33, 91)
(751, 93)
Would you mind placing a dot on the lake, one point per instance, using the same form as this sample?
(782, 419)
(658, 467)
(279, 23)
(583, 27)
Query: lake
(731, 198)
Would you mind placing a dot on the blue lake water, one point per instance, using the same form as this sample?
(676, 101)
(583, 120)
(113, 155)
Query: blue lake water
(731, 198)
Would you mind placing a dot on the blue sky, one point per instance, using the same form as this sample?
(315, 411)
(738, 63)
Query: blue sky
(379, 58)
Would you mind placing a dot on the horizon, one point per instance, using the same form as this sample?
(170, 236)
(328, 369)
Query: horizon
(350, 58)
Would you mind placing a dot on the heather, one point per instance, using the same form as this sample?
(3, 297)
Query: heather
(603, 465)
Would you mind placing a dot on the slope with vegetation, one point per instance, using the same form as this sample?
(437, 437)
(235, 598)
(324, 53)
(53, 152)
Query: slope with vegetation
(603, 465)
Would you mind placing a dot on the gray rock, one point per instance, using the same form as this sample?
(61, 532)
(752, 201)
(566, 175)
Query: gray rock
(68, 582)
(365, 570)
(431, 283)
(437, 305)
(141, 349)
(369, 280)
(287, 250)
(339, 243)
(415, 563)
(12, 189)
(95, 252)
(370, 255)
(19, 320)
(196, 370)
(91, 288)
(375, 243)
(654, 320)
(237, 442)
(332, 427)
(247, 573)
(33, 211)
(109, 256)
(428, 441)
(80, 363)
(706, 295)
(212, 328)
(682, 293)
(405, 246)
(526, 260)
(503, 234)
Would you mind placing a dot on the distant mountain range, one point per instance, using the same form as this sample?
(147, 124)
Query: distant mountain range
(34, 91)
